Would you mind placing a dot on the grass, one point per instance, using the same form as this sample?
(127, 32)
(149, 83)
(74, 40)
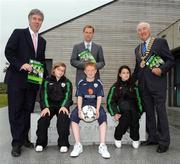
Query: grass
(3, 95)
(3, 100)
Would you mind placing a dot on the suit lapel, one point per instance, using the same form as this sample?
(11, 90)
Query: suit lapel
(83, 46)
(39, 44)
(137, 52)
(29, 40)
(93, 49)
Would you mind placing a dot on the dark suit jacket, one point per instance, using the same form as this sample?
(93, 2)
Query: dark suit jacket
(18, 51)
(144, 75)
(96, 51)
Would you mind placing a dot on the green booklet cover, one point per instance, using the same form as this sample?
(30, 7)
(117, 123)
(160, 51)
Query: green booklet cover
(154, 61)
(36, 75)
(86, 56)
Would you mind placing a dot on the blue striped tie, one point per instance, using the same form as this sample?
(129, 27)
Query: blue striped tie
(143, 48)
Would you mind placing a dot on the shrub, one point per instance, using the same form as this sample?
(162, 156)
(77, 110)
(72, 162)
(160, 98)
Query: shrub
(3, 88)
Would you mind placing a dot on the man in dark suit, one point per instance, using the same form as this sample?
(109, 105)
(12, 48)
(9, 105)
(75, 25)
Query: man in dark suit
(20, 48)
(152, 80)
(95, 49)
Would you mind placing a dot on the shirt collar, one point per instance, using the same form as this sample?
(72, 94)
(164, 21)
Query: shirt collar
(147, 41)
(31, 32)
(90, 43)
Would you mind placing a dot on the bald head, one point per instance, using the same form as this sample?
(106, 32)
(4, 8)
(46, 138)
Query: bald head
(144, 30)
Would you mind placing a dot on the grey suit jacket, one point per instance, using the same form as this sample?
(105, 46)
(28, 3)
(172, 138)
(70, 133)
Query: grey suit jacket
(75, 61)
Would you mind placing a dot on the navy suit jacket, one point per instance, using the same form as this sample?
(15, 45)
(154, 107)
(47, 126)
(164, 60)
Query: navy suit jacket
(97, 53)
(18, 51)
(145, 76)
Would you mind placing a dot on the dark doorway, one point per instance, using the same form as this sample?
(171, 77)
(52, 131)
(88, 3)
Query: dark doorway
(174, 81)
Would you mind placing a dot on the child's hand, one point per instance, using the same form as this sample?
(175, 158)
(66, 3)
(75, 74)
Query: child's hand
(79, 113)
(117, 117)
(44, 112)
(97, 114)
(64, 110)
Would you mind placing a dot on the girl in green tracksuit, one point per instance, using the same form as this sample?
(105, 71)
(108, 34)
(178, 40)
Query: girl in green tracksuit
(55, 99)
(124, 104)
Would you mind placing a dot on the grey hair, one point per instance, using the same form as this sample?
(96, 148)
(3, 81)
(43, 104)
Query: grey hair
(36, 12)
(144, 24)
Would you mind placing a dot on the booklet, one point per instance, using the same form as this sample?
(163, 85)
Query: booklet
(86, 56)
(154, 61)
(36, 76)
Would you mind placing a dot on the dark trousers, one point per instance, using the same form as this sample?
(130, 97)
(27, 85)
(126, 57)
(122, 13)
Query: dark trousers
(20, 106)
(63, 125)
(128, 119)
(154, 105)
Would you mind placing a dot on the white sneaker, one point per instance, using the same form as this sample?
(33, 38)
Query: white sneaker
(63, 149)
(118, 143)
(78, 149)
(103, 151)
(39, 148)
(135, 144)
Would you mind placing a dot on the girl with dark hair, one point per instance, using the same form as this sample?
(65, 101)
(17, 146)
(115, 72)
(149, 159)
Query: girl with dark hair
(124, 104)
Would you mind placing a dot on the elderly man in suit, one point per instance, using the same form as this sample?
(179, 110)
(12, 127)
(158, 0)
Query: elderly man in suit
(87, 44)
(23, 45)
(153, 61)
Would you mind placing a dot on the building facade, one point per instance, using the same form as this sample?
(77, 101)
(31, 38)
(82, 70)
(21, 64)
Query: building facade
(172, 34)
(115, 29)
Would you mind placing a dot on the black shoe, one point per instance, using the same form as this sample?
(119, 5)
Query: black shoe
(149, 143)
(162, 149)
(28, 144)
(16, 151)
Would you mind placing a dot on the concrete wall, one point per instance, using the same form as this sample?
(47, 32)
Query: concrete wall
(115, 29)
(172, 34)
(89, 131)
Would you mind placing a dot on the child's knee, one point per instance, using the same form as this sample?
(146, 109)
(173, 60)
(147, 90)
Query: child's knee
(44, 121)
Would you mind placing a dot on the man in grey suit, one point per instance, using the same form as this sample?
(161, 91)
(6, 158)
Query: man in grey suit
(95, 49)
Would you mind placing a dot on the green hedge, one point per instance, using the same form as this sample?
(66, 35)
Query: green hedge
(3, 88)
(3, 100)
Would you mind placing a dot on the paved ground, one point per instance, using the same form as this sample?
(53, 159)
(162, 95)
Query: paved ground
(125, 155)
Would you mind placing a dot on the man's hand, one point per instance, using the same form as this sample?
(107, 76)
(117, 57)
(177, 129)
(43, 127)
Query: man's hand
(157, 71)
(26, 67)
(44, 112)
(64, 110)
